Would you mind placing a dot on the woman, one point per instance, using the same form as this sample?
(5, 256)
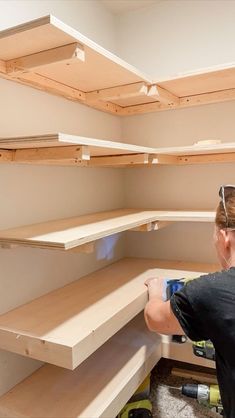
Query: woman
(204, 309)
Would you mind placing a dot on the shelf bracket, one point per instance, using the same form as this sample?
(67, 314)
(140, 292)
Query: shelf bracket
(64, 54)
(152, 226)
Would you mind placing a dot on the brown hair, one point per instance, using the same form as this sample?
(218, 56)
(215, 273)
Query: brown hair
(220, 219)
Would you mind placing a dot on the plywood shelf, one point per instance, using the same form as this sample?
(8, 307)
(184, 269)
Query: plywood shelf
(64, 149)
(67, 234)
(99, 387)
(51, 56)
(81, 316)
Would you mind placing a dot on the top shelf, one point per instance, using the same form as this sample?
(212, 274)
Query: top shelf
(49, 55)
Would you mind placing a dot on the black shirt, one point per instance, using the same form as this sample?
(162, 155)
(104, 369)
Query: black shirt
(205, 309)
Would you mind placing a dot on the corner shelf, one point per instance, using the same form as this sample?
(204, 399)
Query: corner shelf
(70, 233)
(99, 387)
(84, 314)
(64, 149)
(73, 150)
(48, 55)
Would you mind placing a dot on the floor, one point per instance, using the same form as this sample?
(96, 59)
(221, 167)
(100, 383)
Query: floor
(169, 403)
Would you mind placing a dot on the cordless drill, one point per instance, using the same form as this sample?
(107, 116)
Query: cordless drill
(203, 349)
(208, 395)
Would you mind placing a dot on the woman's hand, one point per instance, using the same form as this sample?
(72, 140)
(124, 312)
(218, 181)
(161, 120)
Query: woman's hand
(155, 287)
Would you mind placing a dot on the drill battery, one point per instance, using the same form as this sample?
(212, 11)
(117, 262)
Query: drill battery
(204, 349)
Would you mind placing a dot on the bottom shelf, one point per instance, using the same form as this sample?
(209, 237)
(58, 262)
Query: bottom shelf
(99, 387)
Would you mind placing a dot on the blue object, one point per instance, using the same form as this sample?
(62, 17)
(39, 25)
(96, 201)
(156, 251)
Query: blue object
(172, 285)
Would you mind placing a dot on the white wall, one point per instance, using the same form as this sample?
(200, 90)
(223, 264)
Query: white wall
(175, 36)
(89, 17)
(31, 194)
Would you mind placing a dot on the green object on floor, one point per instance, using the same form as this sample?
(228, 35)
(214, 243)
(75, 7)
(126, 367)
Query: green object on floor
(139, 405)
(138, 409)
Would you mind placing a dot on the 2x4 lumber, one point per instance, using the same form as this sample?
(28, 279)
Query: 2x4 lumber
(63, 54)
(99, 387)
(72, 232)
(203, 377)
(163, 96)
(162, 159)
(188, 101)
(207, 98)
(50, 86)
(81, 316)
(119, 160)
(6, 155)
(120, 92)
(2, 67)
(54, 87)
(71, 155)
(206, 158)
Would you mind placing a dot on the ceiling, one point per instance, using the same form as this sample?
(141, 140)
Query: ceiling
(122, 6)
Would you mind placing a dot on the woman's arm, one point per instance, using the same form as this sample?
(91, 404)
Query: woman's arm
(158, 314)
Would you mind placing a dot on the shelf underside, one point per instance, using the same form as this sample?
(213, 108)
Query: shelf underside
(49, 55)
(74, 150)
(67, 325)
(99, 387)
(70, 233)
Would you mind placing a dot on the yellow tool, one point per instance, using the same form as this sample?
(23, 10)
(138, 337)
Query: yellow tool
(206, 394)
(139, 406)
(204, 349)
(138, 409)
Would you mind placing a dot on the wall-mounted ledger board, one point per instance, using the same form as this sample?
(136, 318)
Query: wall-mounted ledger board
(67, 325)
(64, 149)
(66, 234)
(49, 55)
(99, 387)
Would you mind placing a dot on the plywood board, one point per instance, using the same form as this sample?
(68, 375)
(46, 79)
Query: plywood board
(67, 325)
(200, 149)
(97, 147)
(100, 69)
(203, 81)
(72, 232)
(100, 147)
(33, 54)
(100, 387)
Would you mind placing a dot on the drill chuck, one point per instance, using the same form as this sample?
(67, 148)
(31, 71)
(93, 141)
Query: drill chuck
(204, 394)
(199, 392)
